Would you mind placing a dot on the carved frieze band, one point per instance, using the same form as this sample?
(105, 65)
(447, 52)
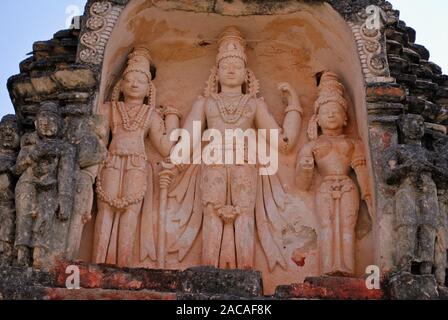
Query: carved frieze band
(371, 53)
(102, 17)
(371, 49)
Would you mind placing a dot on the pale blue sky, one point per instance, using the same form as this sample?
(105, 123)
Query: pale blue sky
(23, 22)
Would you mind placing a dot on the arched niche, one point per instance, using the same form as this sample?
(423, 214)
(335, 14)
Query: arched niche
(292, 44)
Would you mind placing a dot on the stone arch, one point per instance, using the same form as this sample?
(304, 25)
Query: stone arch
(309, 38)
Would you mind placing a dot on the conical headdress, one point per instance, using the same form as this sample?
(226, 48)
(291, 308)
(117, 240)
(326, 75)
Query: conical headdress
(139, 61)
(231, 45)
(330, 90)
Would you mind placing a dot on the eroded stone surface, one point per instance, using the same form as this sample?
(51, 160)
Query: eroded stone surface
(405, 286)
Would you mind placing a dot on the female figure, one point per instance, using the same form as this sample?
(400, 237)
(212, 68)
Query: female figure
(333, 155)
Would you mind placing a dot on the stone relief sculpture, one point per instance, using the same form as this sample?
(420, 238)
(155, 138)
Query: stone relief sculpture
(48, 179)
(333, 155)
(25, 196)
(125, 182)
(9, 146)
(441, 250)
(417, 216)
(88, 135)
(229, 204)
(100, 188)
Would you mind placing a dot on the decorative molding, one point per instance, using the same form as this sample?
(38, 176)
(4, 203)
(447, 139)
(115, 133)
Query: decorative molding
(371, 48)
(102, 17)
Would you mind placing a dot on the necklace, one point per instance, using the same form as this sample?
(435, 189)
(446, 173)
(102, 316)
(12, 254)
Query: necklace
(137, 122)
(231, 108)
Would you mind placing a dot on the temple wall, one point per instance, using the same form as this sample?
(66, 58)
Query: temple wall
(385, 75)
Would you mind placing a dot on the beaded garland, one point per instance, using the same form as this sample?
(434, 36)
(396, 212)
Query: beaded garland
(231, 111)
(119, 203)
(137, 123)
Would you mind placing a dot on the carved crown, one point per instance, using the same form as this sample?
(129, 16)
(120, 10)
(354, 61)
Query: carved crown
(231, 45)
(330, 90)
(139, 61)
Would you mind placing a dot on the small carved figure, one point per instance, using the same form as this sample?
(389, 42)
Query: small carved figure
(333, 155)
(25, 196)
(440, 145)
(125, 182)
(88, 135)
(9, 145)
(52, 173)
(411, 166)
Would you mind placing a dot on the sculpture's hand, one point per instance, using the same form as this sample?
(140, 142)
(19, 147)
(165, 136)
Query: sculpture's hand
(429, 166)
(44, 149)
(181, 167)
(14, 170)
(166, 175)
(416, 167)
(64, 211)
(86, 218)
(369, 202)
(290, 92)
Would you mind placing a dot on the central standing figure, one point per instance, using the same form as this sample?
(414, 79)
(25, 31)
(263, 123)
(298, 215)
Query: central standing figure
(227, 194)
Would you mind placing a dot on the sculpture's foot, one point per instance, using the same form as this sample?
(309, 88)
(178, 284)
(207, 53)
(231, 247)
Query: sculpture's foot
(426, 268)
(6, 251)
(38, 255)
(23, 257)
(405, 265)
(339, 273)
(4, 261)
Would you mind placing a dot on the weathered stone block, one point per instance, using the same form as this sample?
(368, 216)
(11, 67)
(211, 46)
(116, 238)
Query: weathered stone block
(104, 294)
(397, 64)
(421, 70)
(405, 79)
(23, 284)
(394, 47)
(75, 79)
(411, 34)
(422, 51)
(43, 46)
(330, 288)
(214, 281)
(385, 92)
(406, 286)
(108, 277)
(44, 85)
(411, 55)
(23, 88)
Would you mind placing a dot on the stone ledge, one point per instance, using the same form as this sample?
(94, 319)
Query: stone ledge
(330, 288)
(106, 294)
(199, 280)
(109, 277)
(99, 282)
(385, 92)
(406, 286)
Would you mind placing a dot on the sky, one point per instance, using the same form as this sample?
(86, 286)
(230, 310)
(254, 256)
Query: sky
(23, 22)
